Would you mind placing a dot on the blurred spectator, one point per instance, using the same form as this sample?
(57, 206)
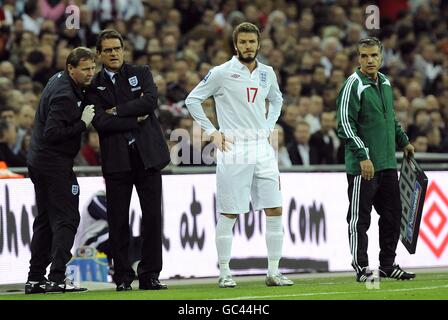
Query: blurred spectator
(32, 18)
(314, 112)
(420, 124)
(6, 85)
(389, 39)
(309, 44)
(277, 140)
(15, 100)
(341, 61)
(52, 9)
(91, 148)
(330, 46)
(34, 67)
(403, 112)
(437, 122)
(61, 58)
(31, 99)
(304, 106)
(306, 24)
(16, 134)
(177, 90)
(111, 10)
(135, 28)
(25, 118)
(7, 70)
(7, 138)
(434, 140)
(319, 78)
(325, 140)
(288, 121)
(292, 90)
(336, 79)
(300, 151)
(24, 83)
(420, 143)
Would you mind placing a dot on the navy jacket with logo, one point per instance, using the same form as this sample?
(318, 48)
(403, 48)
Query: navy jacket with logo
(56, 137)
(134, 94)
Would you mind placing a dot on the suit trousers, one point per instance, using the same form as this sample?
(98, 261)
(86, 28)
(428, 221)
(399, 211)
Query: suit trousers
(383, 193)
(54, 228)
(119, 185)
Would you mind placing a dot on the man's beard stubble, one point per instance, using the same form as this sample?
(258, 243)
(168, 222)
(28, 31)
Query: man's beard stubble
(248, 59)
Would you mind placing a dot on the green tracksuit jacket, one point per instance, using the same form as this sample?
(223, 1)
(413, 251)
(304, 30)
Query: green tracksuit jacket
(367, 123)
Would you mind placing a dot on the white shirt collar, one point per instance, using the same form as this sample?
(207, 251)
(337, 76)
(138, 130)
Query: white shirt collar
(110, 73)
(237, 63)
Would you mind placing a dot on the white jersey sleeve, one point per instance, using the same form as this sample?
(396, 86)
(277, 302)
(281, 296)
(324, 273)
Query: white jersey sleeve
(208, 87)
(275, 101)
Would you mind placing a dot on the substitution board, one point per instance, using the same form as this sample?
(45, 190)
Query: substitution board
(413, 183)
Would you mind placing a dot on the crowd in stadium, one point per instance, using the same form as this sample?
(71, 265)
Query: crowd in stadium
(310, 44)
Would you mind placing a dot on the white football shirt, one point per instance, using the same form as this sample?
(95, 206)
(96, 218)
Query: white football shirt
(241, 100)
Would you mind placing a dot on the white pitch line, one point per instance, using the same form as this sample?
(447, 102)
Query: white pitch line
(330, 293)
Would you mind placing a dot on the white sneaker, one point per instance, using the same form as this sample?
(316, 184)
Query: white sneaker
(226, 282)
(278, 280)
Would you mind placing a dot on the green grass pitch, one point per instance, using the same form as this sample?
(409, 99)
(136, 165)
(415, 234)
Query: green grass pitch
(431, 286)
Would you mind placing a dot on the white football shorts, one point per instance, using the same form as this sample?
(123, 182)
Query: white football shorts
(249, 170)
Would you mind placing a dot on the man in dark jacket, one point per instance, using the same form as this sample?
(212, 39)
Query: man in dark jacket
(133, 151)
(370, 130)
(324, 139)
(60, 119)
(300, 151)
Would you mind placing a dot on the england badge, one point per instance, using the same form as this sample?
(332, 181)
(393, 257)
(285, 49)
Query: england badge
(75, 189)
(133, 81)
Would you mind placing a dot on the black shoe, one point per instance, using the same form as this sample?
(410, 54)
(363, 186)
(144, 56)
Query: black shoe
(124, 287)
(395, 272)
(32, 287)
(65, 286)
(151, 284)
(364, 274)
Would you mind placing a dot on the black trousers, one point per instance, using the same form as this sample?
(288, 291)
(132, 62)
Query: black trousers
(54, 228)
(118, 192)
(383, 193)
(135, 249)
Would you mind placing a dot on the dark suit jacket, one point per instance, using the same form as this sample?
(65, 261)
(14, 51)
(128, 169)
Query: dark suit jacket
(295, 157)
(288, 131)
(325, 151)
(115, 131)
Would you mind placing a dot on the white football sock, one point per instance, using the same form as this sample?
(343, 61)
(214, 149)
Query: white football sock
(274, 242)
(223, 240)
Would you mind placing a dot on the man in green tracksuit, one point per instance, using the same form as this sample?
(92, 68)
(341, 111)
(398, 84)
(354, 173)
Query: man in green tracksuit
(367, 124)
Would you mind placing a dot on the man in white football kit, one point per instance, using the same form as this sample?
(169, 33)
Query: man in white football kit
(246, 164)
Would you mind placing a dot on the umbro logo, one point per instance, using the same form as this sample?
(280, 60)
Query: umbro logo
(235, 76)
